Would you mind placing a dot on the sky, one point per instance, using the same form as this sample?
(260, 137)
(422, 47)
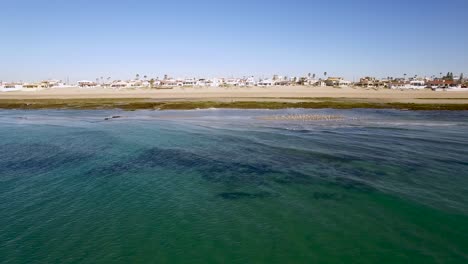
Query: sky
(84, 39)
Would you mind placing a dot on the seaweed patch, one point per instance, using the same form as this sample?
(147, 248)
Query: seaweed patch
(36, 157)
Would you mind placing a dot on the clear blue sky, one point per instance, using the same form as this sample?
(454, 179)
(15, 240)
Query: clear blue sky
(84, 39)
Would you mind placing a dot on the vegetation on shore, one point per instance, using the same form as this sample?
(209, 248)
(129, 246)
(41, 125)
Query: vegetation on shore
(137, 104)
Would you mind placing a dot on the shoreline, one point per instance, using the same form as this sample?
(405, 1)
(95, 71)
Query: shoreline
(131, 104)
(277, 97)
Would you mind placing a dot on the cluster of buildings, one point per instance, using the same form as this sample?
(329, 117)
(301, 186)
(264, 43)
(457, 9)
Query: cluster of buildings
(20, 86)
(436, 84)
(448, 82)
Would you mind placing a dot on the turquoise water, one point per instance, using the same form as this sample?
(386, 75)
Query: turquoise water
(225, 186)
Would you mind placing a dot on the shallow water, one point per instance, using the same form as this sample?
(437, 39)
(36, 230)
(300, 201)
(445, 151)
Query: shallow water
(228, 186)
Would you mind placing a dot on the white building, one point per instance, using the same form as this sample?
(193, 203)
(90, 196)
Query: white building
(202, 82)
(169, 82)
(415, 84)
(233, 82)
(86, 84)
(250, 81)
(266, 82)
(343, 83)
(31, 87)
(216, 82)
(190, 82)
(120, 84)
(10, 87)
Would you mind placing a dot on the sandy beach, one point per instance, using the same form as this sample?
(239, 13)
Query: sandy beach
(275, 97)
(276, 93)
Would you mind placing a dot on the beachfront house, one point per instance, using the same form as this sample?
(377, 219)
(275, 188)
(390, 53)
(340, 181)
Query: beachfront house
(10, 87)
(53, 84)
(418, 84)
(266, 82)
(120, 84)
(169, 83)
(441, 84)
(136, 84)
(414, 84)
(244, 82)
(312, 82)
(154, 83)
(189, 82)
(344, 83)
(337, 82)
(396, 84)
(216, 82)
(448, 85)
(370, 82)
(232, 82)
(202, 82)
(320, 83)
(31, 86)
(282, 82)
(86, 84)
(250, 81)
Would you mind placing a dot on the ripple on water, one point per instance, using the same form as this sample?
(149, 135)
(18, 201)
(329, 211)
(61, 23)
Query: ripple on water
(223, 186)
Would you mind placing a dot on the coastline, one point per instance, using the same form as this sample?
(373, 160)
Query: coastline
(185, 98)
(131, 104)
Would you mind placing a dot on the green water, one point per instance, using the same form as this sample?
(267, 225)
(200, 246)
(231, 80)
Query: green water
(223, 186)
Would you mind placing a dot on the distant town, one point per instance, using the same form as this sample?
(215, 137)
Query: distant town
(442, 82)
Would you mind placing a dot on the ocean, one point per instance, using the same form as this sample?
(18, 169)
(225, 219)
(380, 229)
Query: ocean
(231, 186)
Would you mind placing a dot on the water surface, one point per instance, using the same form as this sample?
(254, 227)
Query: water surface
(226, 186)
